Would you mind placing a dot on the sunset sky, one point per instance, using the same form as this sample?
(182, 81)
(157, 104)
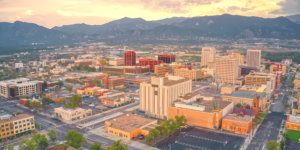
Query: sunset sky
(50, 13)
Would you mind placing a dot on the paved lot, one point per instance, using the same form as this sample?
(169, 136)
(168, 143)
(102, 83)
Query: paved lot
(268, 130)
(197, 139)
(290, 145)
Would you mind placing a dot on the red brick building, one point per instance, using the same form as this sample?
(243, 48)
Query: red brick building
(167, 58)
(112, 82)
(149, 62)
(129, 58)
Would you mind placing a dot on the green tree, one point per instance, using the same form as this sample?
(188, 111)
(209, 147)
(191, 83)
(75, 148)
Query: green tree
(50, 113)
(239, 105)
(45, 107)
(149, 139)
(180, 119)
(60, 83)
(117, 145)
(74, 101)
(75, 139)
(38, 126)
(23, 74)
(262, 115)
(46, 99)
(96, 146)
(27, 144)
(27, 103)
(52, 134)
(69, 88)
(9, 147)
(273, 145)
(286, 106)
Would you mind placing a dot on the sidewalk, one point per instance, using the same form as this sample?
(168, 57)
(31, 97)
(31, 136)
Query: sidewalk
(102, 131)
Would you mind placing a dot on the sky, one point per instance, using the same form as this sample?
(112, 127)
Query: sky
(50, 13)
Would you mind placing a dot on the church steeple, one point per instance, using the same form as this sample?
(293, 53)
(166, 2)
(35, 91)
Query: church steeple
(255, 106)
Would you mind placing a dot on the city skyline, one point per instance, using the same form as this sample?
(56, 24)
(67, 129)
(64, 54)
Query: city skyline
(58, 13)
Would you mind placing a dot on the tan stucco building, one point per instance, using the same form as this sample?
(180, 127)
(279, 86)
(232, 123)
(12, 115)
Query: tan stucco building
(68, 115)
(227, 70)
(193, 74)
(273, 69)
(160, 92)
(208, 55)
(253, 58)
(238, 56)
(116, 62)
(161, 70)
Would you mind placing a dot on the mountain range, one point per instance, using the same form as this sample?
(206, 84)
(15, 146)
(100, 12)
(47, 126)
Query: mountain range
(179, 28)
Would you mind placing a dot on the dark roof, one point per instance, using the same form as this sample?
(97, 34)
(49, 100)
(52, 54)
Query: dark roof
(295, 105)
(246, 94)
(237, 110)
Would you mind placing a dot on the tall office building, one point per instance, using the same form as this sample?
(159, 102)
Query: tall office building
(227, 70)
(166, 58)
(129, 58)
(238, 56)
(253, 58)
(156, 96)
(208, 55)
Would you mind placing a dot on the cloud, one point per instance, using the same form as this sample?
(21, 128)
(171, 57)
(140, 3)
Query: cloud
(29, 12)
(236, 8)
(175, 6)
(288, 7)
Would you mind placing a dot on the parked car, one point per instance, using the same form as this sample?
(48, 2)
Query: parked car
(142, 137)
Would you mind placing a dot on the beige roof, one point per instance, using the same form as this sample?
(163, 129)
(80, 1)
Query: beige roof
(238, 118)
(18, 117)
(189, 96)
(209, 105)
(129, 122)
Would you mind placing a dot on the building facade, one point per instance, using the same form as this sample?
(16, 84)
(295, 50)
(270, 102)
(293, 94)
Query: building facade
(208, 55)
(116, 62)
(68, 115)
(227, 70)
(162, 69)
(166, 58)
(129, 58)
(83, 62)
(157, 95)
(238, 56)
(273, 69)
(130, 70)
(149, 62)
(113, 82)
(193, 74)
(19, 87)
(13, 125)
(254, 58)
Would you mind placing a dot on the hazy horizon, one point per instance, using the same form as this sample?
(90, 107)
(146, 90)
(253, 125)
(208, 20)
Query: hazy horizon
(93, 12)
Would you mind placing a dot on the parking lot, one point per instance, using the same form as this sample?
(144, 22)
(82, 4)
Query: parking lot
(203, 140)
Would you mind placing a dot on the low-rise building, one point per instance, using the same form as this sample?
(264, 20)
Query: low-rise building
(247, 98)
(161, 70)
(129, 70)
(116, 62)
(68, 115)
(293, 122)
(113, 82)
(238, 123)
(193, 74)
(273, 69)
(19, 87)
(13, 125)
(129, 126)
(203, 113)
(58, 70)
(115, 99)
(83, 62)
(91, 90)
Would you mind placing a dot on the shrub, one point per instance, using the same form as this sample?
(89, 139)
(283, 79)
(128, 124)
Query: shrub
(18, 135)
(11, 138)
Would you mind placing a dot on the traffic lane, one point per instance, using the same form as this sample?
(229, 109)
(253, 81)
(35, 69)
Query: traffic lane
(40, 116)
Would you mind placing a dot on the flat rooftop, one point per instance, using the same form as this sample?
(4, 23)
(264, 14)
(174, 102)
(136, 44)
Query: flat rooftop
(238, 118)
(245, 94)
(20, 116)
(189, 96)
(294, 118)
(208, 104)
(121, 67)
(129, 122)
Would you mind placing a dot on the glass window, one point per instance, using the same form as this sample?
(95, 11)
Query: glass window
(24, 129)
(20, 126)
(16, 127)
(2, 125)
(7, 129)
(20, 122)
(23, 120)
(27, 119)
(28, 128)
(3, 133)
(21, 130)
(7, 133)
(12, 132)
(32, 127)
(31, 122)
(28, 123)
(17, 131)
(11, 127)
(6, 124)
(3, 130)
(16, 122)
(24, 125)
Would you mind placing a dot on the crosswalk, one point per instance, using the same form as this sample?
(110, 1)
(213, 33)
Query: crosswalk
(101, 119)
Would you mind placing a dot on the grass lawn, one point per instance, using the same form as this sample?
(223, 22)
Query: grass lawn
(293, 135)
